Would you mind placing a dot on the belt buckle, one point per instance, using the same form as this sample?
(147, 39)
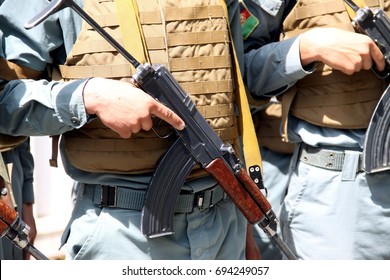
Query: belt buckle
(204, 200)
(108, 196)
(200, 200)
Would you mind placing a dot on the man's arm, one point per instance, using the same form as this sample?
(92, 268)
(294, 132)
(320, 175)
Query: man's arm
(345, 51)
(273, 66)
(50, 108)
(270, 66)
(27, 163)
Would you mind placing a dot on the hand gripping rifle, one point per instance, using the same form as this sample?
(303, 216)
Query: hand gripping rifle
(197, 143)
(376, 150)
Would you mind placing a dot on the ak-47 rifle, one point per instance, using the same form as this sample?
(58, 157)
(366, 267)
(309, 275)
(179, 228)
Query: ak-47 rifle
(197, 143)
(376, 25)
(13, 227)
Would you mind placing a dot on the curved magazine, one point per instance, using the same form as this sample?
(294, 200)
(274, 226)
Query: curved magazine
(376, 150)
(163, 191)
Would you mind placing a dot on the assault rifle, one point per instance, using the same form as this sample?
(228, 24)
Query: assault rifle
(197, 143)
(13, 227)
(376, 24)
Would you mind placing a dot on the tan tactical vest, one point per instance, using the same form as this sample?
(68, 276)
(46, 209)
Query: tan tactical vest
(328, 97)
(12, 71)
(267, 123)
(189, 37)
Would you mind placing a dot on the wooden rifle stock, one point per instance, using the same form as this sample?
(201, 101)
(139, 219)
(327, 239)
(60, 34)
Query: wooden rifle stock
(16, 230)
(8, 214)
(245, 194)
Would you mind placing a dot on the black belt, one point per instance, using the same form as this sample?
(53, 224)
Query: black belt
(128, 198)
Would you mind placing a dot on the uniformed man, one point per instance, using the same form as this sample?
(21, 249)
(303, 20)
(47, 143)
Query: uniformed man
(308, 54)
(118, 150)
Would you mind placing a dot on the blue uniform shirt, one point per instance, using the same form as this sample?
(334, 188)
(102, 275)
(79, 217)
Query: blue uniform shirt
(50, 108)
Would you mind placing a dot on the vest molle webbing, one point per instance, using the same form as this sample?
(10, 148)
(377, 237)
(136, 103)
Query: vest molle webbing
(191, 39)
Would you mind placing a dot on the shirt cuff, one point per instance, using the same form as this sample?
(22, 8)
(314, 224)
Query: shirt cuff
(70, 104)
(293, 68)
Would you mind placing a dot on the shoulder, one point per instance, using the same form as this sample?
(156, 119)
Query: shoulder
(261, 20)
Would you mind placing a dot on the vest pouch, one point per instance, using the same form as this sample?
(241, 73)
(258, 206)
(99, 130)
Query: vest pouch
(8, 142)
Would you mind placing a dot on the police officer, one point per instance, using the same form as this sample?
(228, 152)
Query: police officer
(308, 54)
(118, 150)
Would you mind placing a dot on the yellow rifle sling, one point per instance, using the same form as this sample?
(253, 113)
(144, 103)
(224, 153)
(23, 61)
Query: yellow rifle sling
(127, 11)
(249, 139)
(359, 3)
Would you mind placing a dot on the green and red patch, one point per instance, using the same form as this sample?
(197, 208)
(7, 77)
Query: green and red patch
(248, 21)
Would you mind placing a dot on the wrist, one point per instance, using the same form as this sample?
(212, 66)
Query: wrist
(90, 97)
(308, 51)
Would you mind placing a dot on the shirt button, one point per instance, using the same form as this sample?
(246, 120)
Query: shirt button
(75, 120)
(198, 252)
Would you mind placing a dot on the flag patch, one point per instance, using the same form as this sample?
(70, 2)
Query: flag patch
(248, 21)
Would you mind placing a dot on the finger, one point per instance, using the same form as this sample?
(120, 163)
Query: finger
(136, 128)
(377, 56)
(367, 63)
(168, 115)
(125, 134)
(147, 124)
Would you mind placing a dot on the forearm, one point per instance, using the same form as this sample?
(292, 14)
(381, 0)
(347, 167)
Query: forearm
(273, 68)
(27, 165)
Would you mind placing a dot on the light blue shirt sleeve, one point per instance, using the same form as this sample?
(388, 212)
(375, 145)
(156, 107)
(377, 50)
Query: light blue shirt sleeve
(47, 43)
(35, 108)
(271, 66)
(30, 107)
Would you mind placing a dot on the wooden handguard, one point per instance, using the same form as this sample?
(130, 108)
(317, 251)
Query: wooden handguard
(7, 216)
(7, 198)
(237, 192)
(254, 191)
(3, 228)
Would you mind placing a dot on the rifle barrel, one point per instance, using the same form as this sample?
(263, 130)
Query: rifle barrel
(35, 252)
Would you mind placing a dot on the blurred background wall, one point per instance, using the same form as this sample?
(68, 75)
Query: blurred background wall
(53, 204)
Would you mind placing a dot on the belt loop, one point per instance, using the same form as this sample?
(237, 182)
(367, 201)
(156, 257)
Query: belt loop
(350, 166)
(295, 158)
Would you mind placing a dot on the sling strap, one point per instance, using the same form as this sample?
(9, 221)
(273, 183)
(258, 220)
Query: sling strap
(351, 12)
